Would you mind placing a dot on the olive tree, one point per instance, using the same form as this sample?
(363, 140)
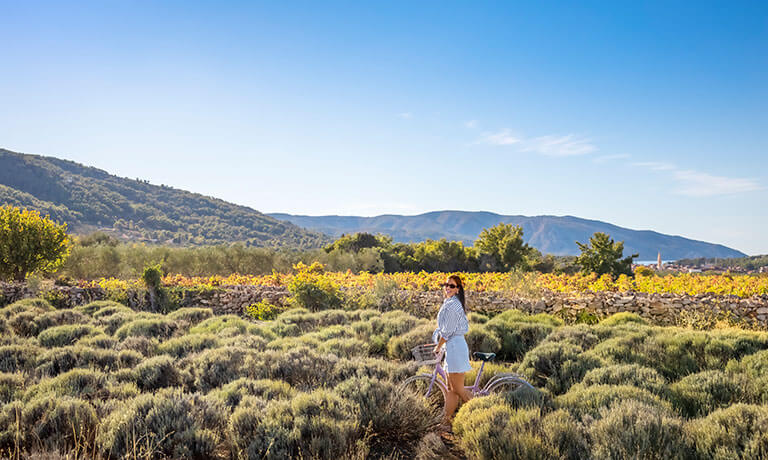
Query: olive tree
(602, 255)
(29, 243)
(504, 245)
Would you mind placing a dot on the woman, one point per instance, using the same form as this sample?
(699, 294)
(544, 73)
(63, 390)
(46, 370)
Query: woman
(452, 324)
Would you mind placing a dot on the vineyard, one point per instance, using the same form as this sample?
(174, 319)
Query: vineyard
(691, 284)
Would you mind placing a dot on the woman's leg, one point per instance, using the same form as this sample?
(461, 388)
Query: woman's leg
(456, 391)
(457, 383)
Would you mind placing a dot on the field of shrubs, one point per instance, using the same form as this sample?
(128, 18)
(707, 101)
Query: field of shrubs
(105, 381)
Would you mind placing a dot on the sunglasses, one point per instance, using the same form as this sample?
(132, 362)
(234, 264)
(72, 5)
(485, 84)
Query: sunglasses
(449, 285)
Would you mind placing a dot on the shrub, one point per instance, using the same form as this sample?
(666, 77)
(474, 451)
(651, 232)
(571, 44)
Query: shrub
(11, 385)
(29, 324)
(557, 366)
(627, 374)
(261, 331)
(159, 327)
(250, 342)
(489, 428)
(370, 367)
(155, 373)
(300, 367)
(580, 335)
(167, 424)
(215, 367)
(622, 349)
(395, 420)
(517, 336)
(754, 365)
(263, 310)
(739, 431)
(18, 358)
(191, 315)
(233, 392)
(111, 323)
(400, 347)
(565, 435)
(701, 393)
(345, 347)
(307, 321)
(77, 383)
(314, 292)
(623, 318)
(97, 341)
(36, 306)
(180, 347)
(631, 429)
(144, 345)
(61, 336)
(101, 308)
(432, 447)
(60, 360)
(59, 423)
(477, 318)
(582, 401)
(311, 425)
(216, 324)
(481, 339)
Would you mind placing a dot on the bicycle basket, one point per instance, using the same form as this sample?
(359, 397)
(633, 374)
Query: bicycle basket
(424, 354)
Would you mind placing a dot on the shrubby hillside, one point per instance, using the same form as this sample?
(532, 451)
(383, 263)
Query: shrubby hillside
(105, 381)
(87, 198)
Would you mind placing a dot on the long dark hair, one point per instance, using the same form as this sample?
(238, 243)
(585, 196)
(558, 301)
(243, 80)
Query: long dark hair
(460, 294)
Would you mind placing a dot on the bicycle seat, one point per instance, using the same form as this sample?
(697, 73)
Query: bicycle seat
(484, 356)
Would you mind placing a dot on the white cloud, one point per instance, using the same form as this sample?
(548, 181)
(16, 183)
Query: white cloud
(471, 124)
(503, 137)
(655, 165)
(559, 146)
(604, 158)
(699, 184)
(405, 115)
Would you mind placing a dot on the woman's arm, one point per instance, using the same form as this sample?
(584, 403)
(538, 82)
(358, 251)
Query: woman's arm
(439, 344)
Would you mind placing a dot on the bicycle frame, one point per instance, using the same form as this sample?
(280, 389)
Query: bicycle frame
(474, 388)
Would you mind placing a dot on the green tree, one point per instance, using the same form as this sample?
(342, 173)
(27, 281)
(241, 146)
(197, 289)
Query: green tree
(602, 255)
(504, 247)
(29, 243)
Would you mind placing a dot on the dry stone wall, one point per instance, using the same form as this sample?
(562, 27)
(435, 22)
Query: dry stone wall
(659, 308)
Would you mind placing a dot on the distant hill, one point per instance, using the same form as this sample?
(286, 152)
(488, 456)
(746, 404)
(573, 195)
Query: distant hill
(89, 199)
(549, 234)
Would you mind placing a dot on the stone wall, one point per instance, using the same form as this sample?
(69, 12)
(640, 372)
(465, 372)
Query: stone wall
(659, 308)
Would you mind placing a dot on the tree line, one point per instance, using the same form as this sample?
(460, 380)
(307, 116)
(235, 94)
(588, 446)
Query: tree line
(47, 248)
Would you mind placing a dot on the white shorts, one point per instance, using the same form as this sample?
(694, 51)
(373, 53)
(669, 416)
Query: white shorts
(457, 355)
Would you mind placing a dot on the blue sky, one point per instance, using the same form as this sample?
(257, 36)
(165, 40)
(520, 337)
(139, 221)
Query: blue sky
(648, 115)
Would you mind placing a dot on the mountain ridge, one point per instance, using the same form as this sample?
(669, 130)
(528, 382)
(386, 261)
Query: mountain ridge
(88, 198)
(550, 234)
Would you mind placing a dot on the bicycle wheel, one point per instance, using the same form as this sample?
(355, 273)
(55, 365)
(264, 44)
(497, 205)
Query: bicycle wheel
(434, 397)
(506, 384)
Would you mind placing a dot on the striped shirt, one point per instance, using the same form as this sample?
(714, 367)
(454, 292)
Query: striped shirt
(451, 320)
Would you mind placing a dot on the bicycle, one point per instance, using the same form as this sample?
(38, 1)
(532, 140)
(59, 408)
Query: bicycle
(434, 387)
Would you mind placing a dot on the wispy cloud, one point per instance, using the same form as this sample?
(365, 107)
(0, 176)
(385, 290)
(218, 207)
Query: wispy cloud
(405, 115)
(471, 124)
(694, 183)
(699, 184)
(605, 158)
(503, 137)
(559, 146)
(655, 165)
